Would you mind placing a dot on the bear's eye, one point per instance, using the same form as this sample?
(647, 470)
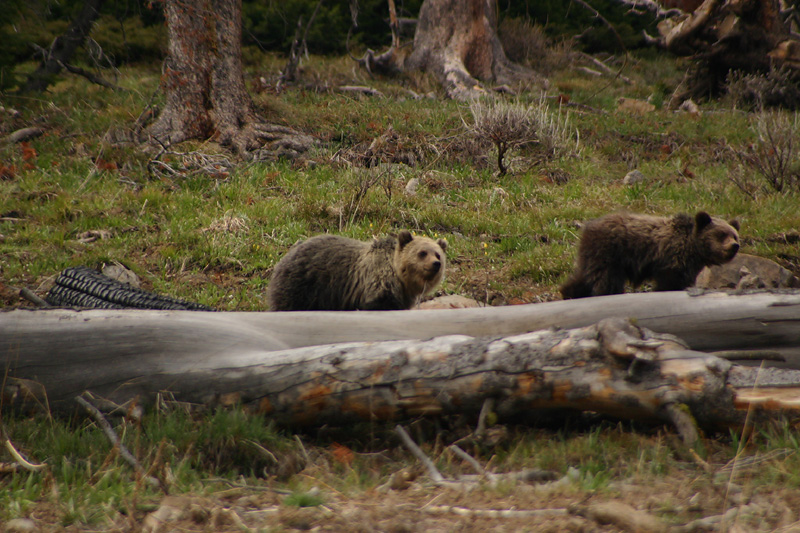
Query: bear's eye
(422, 254)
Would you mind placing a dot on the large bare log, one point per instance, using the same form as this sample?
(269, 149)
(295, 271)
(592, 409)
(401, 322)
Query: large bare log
(276, 360)
(709, 321)
(613, 367)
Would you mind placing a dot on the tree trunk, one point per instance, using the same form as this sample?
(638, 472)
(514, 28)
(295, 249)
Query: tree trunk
(63, 47)
(204, 82)
(613, 367)
(457, 41)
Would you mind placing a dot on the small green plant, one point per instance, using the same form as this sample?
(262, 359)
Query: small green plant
(304, 499)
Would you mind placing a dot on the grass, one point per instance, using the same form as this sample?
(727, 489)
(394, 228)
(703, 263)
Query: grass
(167, 227)
(213, 237)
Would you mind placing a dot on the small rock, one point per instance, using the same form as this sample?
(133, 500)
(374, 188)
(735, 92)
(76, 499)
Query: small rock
(748, 270)
(411, 187)
(633, 177)
(688, 106)
(25, 134)
(122, 274)
(20, 525)
(637, 107)
(450, 301)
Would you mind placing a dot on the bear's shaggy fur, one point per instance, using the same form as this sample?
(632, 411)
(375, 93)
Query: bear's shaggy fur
(329, 272)
(671, 251)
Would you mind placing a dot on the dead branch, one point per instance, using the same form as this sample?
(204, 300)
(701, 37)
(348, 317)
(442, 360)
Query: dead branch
(415, 450)
(117, 442)
(91, 77)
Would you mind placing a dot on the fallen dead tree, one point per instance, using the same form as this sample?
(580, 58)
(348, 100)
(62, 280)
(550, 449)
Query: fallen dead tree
(311, 368)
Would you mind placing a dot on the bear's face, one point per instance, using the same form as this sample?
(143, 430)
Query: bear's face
(719, 240)
(420, 261)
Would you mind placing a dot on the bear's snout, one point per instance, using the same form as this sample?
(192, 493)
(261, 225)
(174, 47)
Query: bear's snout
(733, 249)
(436, 265)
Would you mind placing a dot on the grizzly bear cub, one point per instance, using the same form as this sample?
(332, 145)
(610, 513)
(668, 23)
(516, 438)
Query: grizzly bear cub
(671, 251)
(329, 272)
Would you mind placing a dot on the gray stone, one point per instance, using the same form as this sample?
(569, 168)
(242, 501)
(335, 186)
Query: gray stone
(633, 177)
(20, 525)
(747, 272)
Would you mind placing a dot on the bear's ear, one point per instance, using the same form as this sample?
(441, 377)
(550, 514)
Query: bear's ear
(701, 220)
(442, 244)
(404, 237)
(734, 223)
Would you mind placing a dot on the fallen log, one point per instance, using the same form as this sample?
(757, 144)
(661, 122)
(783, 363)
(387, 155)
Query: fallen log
(711, 321)
(278, 363)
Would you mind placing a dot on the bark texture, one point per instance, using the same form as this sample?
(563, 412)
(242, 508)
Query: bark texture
(457, 41)
(316, 367)
(204, 82)
(613, 367)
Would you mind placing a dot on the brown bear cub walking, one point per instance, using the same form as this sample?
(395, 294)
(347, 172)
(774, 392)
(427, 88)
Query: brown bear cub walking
(671, 251)
(334, 273)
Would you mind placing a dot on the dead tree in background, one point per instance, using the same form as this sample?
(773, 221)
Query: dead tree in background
(63, 48)
(724, 36)
(204, 82)
(456, 41)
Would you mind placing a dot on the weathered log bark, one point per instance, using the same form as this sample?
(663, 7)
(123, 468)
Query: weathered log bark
(275, 359)
(706, 321)
(612, 367)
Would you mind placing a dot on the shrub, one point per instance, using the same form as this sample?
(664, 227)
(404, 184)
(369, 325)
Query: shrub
(776, 88)
(525, 42)
(508, 125)
(774, 156)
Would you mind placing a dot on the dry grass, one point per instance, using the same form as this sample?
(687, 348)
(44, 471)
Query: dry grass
(511, 124)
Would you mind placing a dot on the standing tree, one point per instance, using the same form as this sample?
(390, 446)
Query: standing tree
(457, 41)
(204, 82)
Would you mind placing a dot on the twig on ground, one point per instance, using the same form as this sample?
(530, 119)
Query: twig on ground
(468, 458)
(246, 486)
(495, 513)
(486, 409)
(435, 475)
(31, 296)
(115, 441)
(683, 421)
(360, 89)
(89, 76)
(24, 463)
